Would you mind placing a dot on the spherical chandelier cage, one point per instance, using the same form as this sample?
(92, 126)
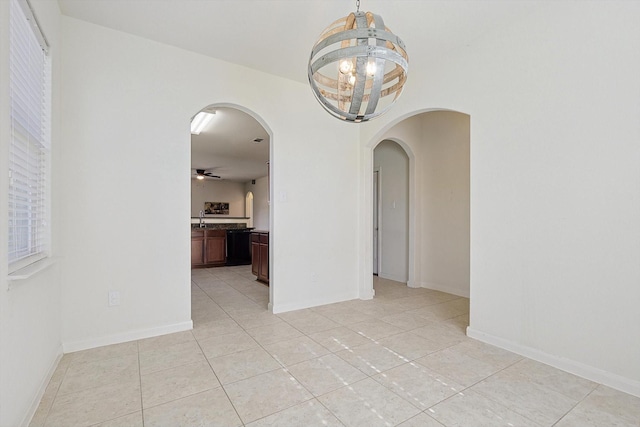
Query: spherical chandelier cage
(358, 67)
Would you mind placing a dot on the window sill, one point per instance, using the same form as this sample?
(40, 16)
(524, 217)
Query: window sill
(31, 270)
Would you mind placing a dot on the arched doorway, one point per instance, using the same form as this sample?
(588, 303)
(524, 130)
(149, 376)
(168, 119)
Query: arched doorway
(391, 211)
(231, 154)
(248, 209)
(437, 144)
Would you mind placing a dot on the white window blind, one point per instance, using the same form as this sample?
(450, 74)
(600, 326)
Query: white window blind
(29, 92)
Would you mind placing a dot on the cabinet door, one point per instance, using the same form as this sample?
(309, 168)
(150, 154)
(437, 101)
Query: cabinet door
(255, 258)
(197, 251)
(264, 262)
(216, 250)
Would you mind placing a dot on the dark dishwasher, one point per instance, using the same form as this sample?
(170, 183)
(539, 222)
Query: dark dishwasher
(239, 246)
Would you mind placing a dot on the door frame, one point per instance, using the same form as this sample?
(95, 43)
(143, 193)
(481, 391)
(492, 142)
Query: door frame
(377, 223)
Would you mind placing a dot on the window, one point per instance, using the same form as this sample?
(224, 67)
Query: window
(29, 158)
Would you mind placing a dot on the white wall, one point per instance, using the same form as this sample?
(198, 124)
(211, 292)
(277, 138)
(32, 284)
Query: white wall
(393, 165)
(445, 201)
(217, 191)
(112, 83)
(30, 341)
(260, 202)
(555, 182)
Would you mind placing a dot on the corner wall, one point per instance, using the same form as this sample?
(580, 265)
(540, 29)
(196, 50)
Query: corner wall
(30, 309)
(445, 202)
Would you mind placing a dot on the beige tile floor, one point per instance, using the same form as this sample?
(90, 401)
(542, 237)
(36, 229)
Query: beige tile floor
(399, 359)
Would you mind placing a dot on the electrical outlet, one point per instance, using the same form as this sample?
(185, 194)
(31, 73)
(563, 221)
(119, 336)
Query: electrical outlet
(114, 298)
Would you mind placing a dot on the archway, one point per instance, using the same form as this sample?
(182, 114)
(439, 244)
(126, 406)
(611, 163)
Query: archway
(248, 209)
(243, 149)
(437, 143)
(391, 211)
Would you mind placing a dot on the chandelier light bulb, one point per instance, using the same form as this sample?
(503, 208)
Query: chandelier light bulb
(371, 68)
(345, 66)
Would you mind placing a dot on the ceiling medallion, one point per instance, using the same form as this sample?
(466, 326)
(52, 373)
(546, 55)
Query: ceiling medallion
(358, 67)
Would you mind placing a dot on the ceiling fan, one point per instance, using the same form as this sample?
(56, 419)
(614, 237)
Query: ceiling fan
(202, 173)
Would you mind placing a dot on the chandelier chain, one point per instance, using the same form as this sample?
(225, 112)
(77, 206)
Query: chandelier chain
(357, 5)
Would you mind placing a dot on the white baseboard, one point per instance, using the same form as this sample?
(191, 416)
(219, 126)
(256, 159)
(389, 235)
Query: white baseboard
(41, 390)
(71, 346)
(454, 290)
(367, 295)
(392, 277)
(609, 379)
(283, 308)
(414, 284)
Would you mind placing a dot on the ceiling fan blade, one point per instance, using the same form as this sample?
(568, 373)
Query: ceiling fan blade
(205, 172)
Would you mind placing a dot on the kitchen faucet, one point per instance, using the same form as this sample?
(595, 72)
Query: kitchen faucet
(201, 219)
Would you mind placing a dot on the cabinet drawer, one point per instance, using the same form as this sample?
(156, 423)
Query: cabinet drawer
(255, 237)
(216, 233)
(264, 238)
(197, 233)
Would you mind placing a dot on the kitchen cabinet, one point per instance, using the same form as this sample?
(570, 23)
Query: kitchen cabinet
(208, 248)
(260, 256)
(215, 244)
(197, 249)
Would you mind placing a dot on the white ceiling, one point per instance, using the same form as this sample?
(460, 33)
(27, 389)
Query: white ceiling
(276, 36)
(226, 148)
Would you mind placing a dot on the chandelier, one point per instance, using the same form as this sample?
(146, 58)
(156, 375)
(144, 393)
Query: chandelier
(358, 67)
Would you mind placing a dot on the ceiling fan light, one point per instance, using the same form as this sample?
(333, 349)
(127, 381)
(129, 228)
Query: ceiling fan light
(200, 121)
(199, 176)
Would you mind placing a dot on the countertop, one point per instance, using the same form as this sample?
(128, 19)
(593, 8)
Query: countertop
(209, 216)
(213, 226)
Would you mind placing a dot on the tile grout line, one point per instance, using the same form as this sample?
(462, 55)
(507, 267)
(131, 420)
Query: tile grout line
(282, 367)
(140, 382)
(55, 395)
(466, 388)
(221, 386)
(577, 403)
(216, 375)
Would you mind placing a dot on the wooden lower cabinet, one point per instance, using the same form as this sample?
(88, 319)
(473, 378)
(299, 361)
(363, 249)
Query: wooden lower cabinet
(255, 257)
(197, 249)
(216, 248)
(260, 256)
(208, 248)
